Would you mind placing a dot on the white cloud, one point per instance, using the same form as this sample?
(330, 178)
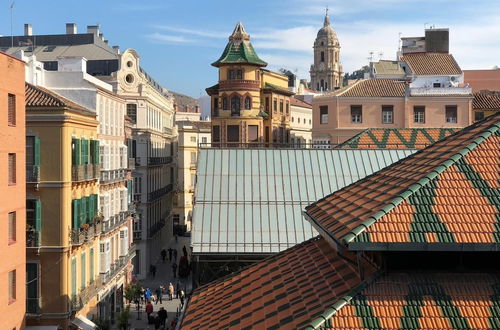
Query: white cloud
(169, 39)
(200, 33)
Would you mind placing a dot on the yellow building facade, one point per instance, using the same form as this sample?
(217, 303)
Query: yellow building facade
(63, 224)
(250, 105)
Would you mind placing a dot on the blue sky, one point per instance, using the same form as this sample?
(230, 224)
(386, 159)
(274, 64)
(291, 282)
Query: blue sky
(177, 40)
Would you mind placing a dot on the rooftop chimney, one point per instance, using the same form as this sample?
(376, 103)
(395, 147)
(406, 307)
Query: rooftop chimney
(106, 41)
(71, 28)
(93, 29)
(28, 30)
(116, 49)
(101, 36)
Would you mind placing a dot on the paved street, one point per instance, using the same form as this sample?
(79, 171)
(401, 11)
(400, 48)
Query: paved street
(164, 276)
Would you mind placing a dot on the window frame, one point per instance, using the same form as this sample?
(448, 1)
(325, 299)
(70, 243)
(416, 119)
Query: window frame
(323, 116)
(12, 286)
(12, 227)
(11, 109)
(388, 109)
(356, 118)
(451, 119)
(12, 171)
(419, 109)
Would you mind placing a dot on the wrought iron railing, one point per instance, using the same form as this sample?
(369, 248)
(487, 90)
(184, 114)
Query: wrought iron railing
(85, 233)
(154, 195)
(110, 176)
(159, 160)
(32, 238)
(85, 172)
(32, 173)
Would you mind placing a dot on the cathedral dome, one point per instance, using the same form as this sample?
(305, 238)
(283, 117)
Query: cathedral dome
(326, 32)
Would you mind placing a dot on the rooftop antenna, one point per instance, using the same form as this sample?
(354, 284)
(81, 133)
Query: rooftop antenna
(11, 22)
(399, 41)
(370, 58)
(425, 26)
(380, 54)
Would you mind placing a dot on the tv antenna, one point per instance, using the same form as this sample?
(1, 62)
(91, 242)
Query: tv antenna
(11, 22)
(370, 58)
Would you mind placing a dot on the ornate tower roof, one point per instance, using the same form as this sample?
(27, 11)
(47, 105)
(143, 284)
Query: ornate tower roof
(327, 32)
(239, 50)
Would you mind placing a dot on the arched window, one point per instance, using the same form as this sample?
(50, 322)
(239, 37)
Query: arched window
(224, 104)
(322, 84)
(322, 56)
(235, 105)
(322, 43)
(248, 103)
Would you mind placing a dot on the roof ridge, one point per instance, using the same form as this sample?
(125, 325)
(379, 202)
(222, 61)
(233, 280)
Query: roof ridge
(480, 138)
(349, 87)
(48, 93)
(333, 309)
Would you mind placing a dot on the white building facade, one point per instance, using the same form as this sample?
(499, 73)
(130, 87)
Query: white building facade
(300, 123)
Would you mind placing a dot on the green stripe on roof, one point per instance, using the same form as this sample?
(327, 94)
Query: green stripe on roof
(495, 307)
(365, 312)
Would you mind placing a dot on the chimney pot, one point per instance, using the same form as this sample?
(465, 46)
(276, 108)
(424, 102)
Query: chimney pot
(71, 28)
(93, 29)
(28, 30)
(116, 49)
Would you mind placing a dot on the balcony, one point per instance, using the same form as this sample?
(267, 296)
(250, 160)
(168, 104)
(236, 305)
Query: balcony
(32, 238)
(154, 195)
(116, 267)
(239, 84)
(86, 233)
(115, 222)
(110, 176)
(131, 164)
(85, 172)
(441, 91)
(167, 130)
(33, 305)
(32, 173)
(86, 294)
(155, 228)
(153, 161)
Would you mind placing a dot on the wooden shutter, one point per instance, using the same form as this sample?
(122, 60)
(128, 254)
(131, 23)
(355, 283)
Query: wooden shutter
(12, 109)
(83, 269)
(36, 151)
(38, 215)
(12, 285)
(73, 278)
(91, 261)
(77, 152)
(12, 227)
(84, 210)
(96, 152)
(85, 151)
(12, 168)
(76, 214)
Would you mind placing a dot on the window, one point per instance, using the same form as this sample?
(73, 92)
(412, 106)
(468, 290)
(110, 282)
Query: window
(193, 157)
(451, 114)
(253, 133)
(233, 133)
(12, 286)
(12, 227)
(419, 114)
(32, 288)
(275, 105)
(248, 103)
(267, 104)
(132, 112)
(323, 114)
(235, 105)
(436, 85)
(322, 55)
(235, 74)
(216, 107)
(11, 109)
(281, 106)
(193, 139)
(225, 105)
(216, 133)
(204, 139)
(12, 169)
(292, 119)
(356, 113)
(387, 114)
(478, 115)
(287, 107)
(83, 267)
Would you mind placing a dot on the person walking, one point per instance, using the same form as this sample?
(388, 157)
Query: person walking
(149, 310)
(177, 289)
(171, 291)
(158, 295)
(184, 251)
(147, 295)
(174, 269)
(162, 314)
(175, 255)
(176, 238)
(182, 295)
(163, 255)
(170, 254)
(152, 270)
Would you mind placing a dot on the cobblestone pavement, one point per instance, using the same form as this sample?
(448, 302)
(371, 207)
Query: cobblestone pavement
(164, 276)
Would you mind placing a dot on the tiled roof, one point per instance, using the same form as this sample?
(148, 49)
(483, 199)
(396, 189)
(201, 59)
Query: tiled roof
(384, 67)
(486, 100)
(374, 88)
(424, 301)
(396, 138)
(278, 88)
(300, 103)
(251, 200)
(39, 97)
(432, 64)
(285, 291)
(239, 50)
(446, 193)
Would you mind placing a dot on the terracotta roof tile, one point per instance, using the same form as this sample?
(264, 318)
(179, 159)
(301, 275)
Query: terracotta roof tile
(372, 88)
(424, 301)
(432, 64)
(39, 97)
(396, 138)
(486, 100)
(285, 291)
(300, 103)
(437, 190)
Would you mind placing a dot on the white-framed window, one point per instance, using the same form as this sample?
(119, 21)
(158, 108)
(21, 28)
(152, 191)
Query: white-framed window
(419, 114)
(323, 113)
(387, 114)
(356, 114)
(451, 114)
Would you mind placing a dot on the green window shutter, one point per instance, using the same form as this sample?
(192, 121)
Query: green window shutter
(78, 152)
(38, 215)
(84, 211)
(92, 152)
(73, 152)
(76, 214)
(73, 278)
(97, 153)
(37, 151)
(96, 207)
(129, 189)
(83, 268)
(91, 207)
(91, 270)
(85, 151)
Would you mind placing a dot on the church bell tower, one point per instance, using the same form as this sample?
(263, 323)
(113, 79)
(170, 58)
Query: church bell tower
(326, 72)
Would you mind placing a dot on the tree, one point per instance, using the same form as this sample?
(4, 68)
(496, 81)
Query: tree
(132, 292)
(358, 74)
(123, 319)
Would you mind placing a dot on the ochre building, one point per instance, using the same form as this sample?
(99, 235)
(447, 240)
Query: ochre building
(249, 104)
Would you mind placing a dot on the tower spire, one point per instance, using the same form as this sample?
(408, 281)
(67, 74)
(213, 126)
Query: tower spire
(327, 18)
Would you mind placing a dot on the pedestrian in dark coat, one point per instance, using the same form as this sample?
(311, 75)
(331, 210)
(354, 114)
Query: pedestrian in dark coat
(162, 314)
(170, 254)
(158, 295)
(175, 255)
(174, 269)
(163, 255)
